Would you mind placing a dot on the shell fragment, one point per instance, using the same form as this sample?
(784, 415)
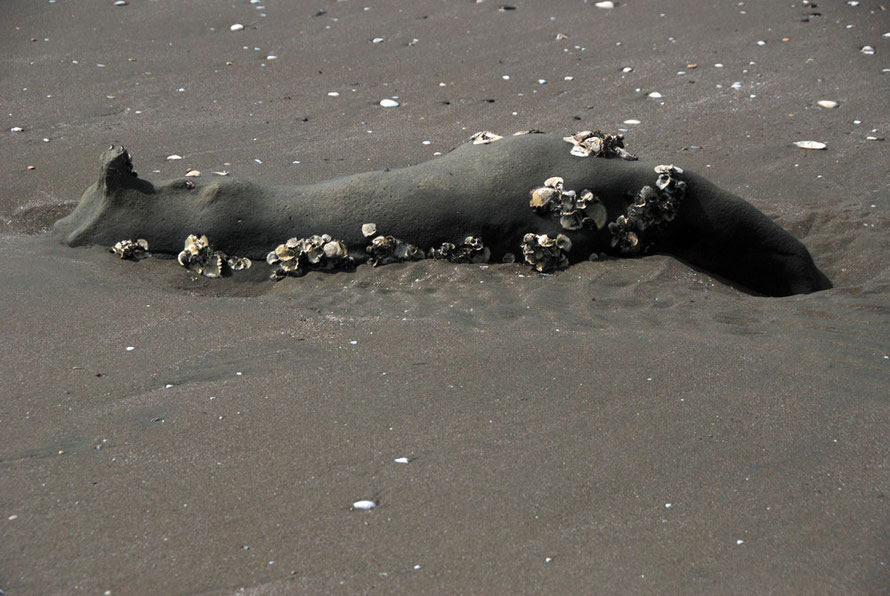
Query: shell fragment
(812, 145)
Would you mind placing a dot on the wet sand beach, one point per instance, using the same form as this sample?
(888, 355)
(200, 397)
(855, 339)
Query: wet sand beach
(624, 426)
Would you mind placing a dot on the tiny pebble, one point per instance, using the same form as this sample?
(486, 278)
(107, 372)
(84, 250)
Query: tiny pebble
(236, 27)
(364, 505)
(389, 103)
(174, 156)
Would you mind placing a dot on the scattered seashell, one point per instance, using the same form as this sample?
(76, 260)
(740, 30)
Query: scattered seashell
(827, 104)
(655, 95)
(173, 157)
(814, 145)
(236, 27)
(389, 103)
(221, 173)
(298, 255)
(369, 229)
(333, 94)
(401, 460)
(484, 137)
(627, 69)
(364, 505)
(193, 173)
(121, 3)
(197, 255)
(632, 121)
(867, 50)
(605, 4)
(31, 168)
(16, 129)
(561, 36)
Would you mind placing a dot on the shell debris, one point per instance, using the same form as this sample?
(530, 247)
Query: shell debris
(364, 505)
(575, 210)
(369, 229)
(197, 255)
(827, 104)
(599, 144)
(544, 253)
(127, 249)
(315, 253)
(471, 250)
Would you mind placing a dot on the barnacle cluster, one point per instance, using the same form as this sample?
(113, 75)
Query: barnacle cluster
(546, 254)
(652, 208)
(471, 250)
(598, 144)
(384, 250)
(575, 210)
(197, 256)
(127, 249)
(299, 255)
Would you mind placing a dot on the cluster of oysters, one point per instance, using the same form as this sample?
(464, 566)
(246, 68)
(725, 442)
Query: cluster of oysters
(197, 256)
(299, 255)
(471, 250)
(651, 208)
(575, 210)
(598, 144)
(127, 249)
(546, 254)
(384, 250)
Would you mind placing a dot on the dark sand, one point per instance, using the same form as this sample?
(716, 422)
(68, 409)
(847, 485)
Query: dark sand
(548, 420)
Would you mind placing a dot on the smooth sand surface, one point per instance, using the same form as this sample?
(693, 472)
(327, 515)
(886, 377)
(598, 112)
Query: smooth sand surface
(548, 421)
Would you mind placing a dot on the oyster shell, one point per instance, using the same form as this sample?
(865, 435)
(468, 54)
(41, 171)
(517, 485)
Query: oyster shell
(127, 249)
(197, 255)
(369, 229)
(299, 255)
(599, 144)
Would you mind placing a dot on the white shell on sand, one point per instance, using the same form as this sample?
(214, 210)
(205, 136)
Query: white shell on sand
(193, 173)
(632, 121)
(364, 505)
(369, 230)
(16, 129)
(814, 145)
(236, 27)
(401, 460)
(867, 50)
(655, 95)
(173, 157)
(389, 103)
(606, 4)
(827, 104)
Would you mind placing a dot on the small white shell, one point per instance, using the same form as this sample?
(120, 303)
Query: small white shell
(389, 103)
(364, 505)
(369, 229)
(827, 104)
(814, 145)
